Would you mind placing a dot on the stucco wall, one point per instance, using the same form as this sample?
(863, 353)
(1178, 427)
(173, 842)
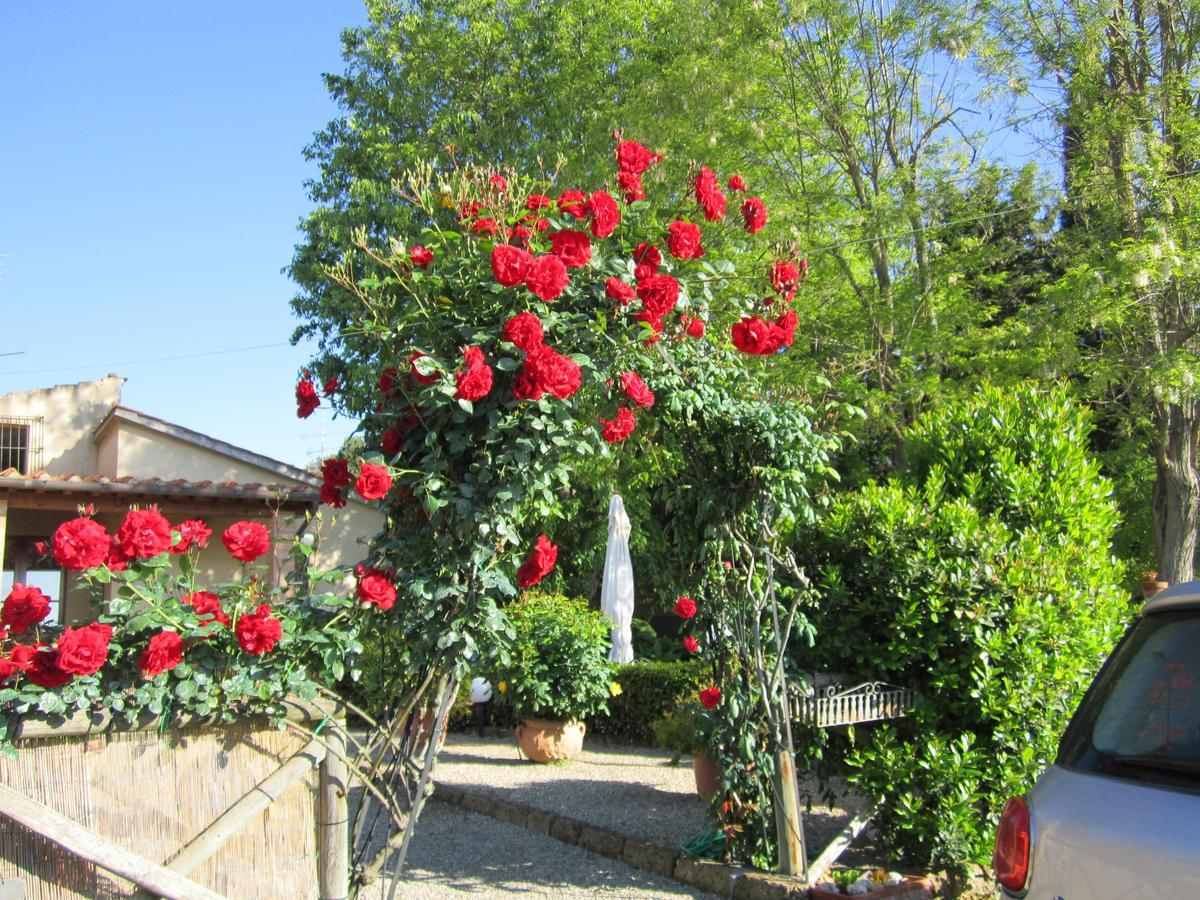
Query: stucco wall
(71, 413)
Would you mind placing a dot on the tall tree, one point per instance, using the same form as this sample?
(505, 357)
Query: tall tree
(1126, 72)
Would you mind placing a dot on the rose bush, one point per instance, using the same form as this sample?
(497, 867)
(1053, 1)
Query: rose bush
(163, 645)
(547, 328)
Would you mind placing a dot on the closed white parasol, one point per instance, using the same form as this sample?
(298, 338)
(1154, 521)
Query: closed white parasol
(616, 592)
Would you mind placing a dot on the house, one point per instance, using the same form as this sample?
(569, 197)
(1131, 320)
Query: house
(74, 445)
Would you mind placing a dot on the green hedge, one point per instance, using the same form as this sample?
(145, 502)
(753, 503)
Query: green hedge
(649, 690)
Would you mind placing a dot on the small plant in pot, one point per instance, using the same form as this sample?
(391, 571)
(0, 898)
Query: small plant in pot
(682, 732)
(555, 674)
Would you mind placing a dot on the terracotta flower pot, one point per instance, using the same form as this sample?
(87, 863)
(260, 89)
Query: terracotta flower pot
(543, 740)
(913, 886)
(708, 775)
(1150, 588)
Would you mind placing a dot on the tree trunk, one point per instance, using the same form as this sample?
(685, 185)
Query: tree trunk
(1176, 490)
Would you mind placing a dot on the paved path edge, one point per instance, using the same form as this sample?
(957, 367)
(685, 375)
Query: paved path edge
(669, 862)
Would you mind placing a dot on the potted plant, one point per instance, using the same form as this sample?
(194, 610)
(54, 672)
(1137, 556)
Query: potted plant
(681, 732)
(1150, 584)
(555, 674)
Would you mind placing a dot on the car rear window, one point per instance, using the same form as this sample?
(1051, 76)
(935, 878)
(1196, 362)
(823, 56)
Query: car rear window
(1141, 718)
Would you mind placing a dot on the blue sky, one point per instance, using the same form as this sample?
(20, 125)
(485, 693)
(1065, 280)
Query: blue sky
(153, 181)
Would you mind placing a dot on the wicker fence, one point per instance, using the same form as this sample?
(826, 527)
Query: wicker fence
(241, 810)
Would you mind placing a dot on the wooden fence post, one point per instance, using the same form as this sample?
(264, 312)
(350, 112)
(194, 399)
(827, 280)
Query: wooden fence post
(789, 826)
(333, 836)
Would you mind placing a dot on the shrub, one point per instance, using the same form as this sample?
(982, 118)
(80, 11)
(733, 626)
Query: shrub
(557, 667)
(649, 690)
(985, 580)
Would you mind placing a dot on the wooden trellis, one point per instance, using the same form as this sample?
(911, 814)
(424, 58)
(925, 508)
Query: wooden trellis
(169, 877)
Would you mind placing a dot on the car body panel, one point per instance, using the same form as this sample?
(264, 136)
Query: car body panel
(1097, 837)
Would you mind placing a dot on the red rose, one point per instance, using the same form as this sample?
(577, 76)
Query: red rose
(539, 563)
(485, 226)
(164, 653)
(685, 607)
(44, 670)
(755, 336)
(634, 158)
(306, 397)
(658, 294)
(525, 330)
(785, 278)
(631, 186)
(710, 697)
(538, 201)
(192, 533)
(605, 214)
(642, 272)
(785, 328)
(690, 644)
(375, 587)
(246, 541)
(620, 427)
(117, 560)
(693, 326)
(547, 371)
(206, 604)
(83, 651)
(80, 544)
(336, 471)
(331, 385)
(332, 495)
(547, 277)
(387, 381)
(258, 632)
(655, 322)
(23, 607)
(19, 660)
(391, 442)
(509, 264)
(572, 247)
(736, 183)
(683, 240)
(754, 214)
(417, 376)
(498, 183)
(475, 381)
(468, 209)
(520, 234)
(144, 534)
(618, 290)
(573, 202)
(647, 255)
(420, 257)
(636, 389)
(709, 196)
(373, 481)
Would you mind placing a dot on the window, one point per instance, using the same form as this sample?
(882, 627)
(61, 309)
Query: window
(1141, 719)
(20, 444)
(23, 565)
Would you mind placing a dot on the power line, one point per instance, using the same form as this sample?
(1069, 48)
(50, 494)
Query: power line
(138, 362)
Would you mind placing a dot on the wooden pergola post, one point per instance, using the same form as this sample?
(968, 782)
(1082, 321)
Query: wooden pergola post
(333, 822)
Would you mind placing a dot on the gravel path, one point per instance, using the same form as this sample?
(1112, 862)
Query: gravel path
(632, 790)
(456, 853)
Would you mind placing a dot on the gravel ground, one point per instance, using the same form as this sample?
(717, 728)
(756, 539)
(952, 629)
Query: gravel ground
(632, 790)
(456, 853)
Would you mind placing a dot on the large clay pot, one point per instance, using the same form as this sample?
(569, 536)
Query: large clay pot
(542, 740)
(708, 776)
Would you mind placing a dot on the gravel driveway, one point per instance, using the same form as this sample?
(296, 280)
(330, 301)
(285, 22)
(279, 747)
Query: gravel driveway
(456, 853)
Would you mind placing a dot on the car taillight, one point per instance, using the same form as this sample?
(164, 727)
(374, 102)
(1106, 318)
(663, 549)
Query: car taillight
(1011, 859)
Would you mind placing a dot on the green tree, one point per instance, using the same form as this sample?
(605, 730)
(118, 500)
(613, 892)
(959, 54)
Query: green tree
(1125, 72)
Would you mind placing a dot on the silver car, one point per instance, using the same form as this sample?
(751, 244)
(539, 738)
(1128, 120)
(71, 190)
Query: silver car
(1118, 814)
